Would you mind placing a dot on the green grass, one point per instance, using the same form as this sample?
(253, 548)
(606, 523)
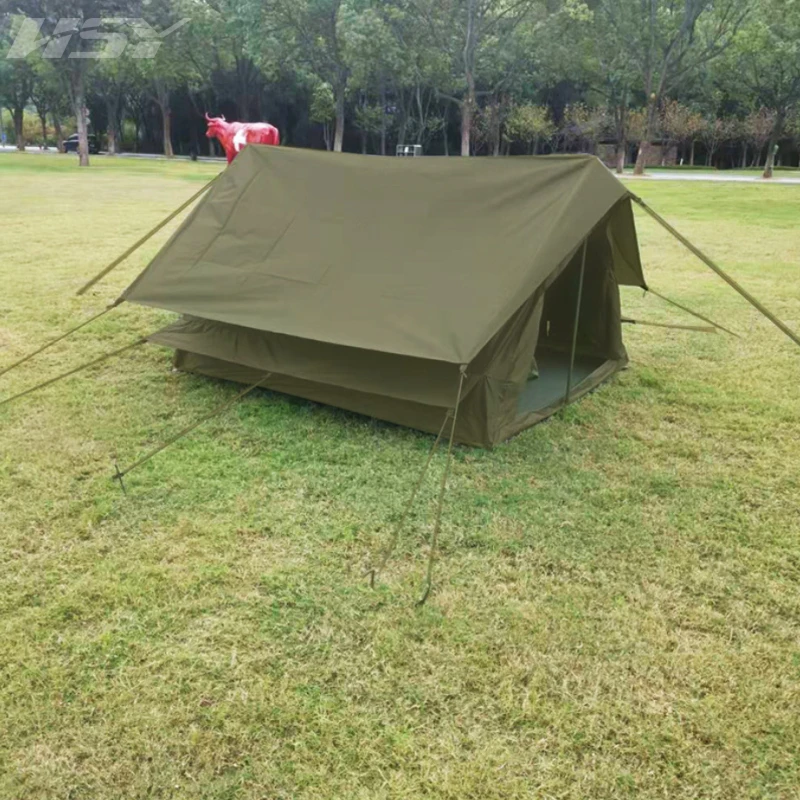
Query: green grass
(616, 609)
(756, 172)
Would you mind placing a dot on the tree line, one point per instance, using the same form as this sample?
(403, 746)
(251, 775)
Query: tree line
(716, 81)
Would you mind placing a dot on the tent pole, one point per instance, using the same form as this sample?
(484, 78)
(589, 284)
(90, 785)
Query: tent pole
(139, 341)
(59, 338)
(693, 313)
(136, 245)
(440, 502)
(401, 523)
(671, 326)
(120, 474)
(722, 274)
(575, 324)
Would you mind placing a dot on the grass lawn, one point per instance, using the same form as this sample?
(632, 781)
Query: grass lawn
(755, 172)
(616, 610)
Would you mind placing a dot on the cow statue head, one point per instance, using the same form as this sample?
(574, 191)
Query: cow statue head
(217, 127)
(233, 136)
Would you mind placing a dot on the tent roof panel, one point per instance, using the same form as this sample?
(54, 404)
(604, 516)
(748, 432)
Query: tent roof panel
(425, 257)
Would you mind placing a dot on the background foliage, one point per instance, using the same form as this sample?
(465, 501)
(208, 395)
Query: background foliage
(713, 83)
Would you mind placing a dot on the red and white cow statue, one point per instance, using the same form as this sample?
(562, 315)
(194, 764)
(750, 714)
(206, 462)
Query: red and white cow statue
(233, 136)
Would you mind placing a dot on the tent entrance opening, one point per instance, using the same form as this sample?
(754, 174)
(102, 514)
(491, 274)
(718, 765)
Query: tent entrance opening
(596, 341)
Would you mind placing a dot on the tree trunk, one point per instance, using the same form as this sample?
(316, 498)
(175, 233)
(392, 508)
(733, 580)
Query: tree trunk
(112, 113)
(166, 116)
(621, 131)
(744, 155)
(59, 134)
(383, 118)
(467, 107)
(78, 76)
(691, 154)
(166, 121)
(338, 136)
(623, 146)
(43, 122)
(18, 115)
(641, 157)
(772, 147)
(644, 145)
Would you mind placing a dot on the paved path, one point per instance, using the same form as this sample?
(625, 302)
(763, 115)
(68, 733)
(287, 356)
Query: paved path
(53, 152)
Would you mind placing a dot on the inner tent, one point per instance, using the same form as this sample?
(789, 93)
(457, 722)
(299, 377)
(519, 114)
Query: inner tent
(598, 341)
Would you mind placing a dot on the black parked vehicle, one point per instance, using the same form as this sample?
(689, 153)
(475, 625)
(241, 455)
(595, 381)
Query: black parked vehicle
(71, 144)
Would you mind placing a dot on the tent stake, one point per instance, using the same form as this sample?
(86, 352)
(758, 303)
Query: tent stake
(575, 325)
(407, 510)
(136, 245)
(693, 313)
(722, 274)
(59, 338)
(119, 475)
(440, 502)
(102, 358)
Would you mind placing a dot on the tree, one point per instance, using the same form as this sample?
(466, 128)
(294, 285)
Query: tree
(767, 60)
(73, 33)
(714, 132)
(318, 29)
(323, 110)
(529, 124)
(583, 45)
(583, 126)
(470, 32)
(166, 68)
(16, 84)
(668, 41)
(758, 127)
(112, 78)
(681, 125)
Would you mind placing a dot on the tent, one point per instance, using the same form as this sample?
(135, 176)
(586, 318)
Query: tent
(402, 288)
(405, 289)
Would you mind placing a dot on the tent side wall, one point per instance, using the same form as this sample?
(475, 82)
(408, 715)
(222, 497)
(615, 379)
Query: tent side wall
(417, 392)
(408, 391)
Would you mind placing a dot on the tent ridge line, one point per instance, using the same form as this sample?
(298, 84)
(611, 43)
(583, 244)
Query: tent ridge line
(719, 271)
(104, 357)
(139, 242)
(60, 338)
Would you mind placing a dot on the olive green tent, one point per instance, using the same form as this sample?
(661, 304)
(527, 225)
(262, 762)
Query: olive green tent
(373, 284)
